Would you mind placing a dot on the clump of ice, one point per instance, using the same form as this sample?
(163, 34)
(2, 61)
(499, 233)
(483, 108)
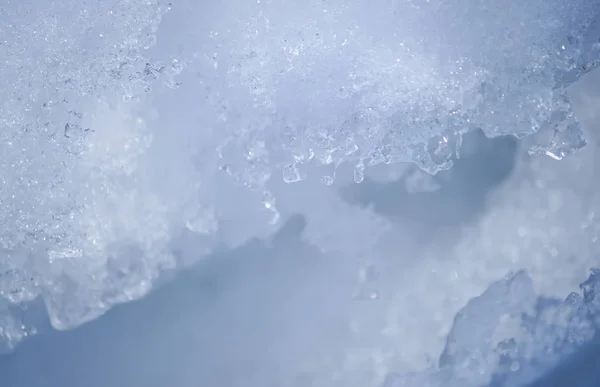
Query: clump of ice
(63, 175)
(510, 336)
(94, 194)
(355, 83)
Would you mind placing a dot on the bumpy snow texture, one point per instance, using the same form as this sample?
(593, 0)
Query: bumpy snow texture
(94, 193)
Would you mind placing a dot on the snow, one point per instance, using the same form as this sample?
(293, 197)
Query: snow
(138, 138)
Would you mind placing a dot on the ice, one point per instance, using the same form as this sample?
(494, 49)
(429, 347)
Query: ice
(509, 336)
(410, 79)
(126, 125)
(469, 348)
(57, 163)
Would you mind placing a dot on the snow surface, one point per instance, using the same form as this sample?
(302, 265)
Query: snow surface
(138, 138)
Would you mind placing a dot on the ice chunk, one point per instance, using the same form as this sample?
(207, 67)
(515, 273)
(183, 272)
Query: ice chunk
(552, 331)
(58, 165)
(469, 351)
(332, 76)
(508, 336)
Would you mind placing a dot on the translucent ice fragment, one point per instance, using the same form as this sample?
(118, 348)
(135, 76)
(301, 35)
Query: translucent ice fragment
(359, 172)
(291, 174)
(552, 330)
(441, 148)
(566, 140)
(567, 134)
(469, 351)
(424, 160)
